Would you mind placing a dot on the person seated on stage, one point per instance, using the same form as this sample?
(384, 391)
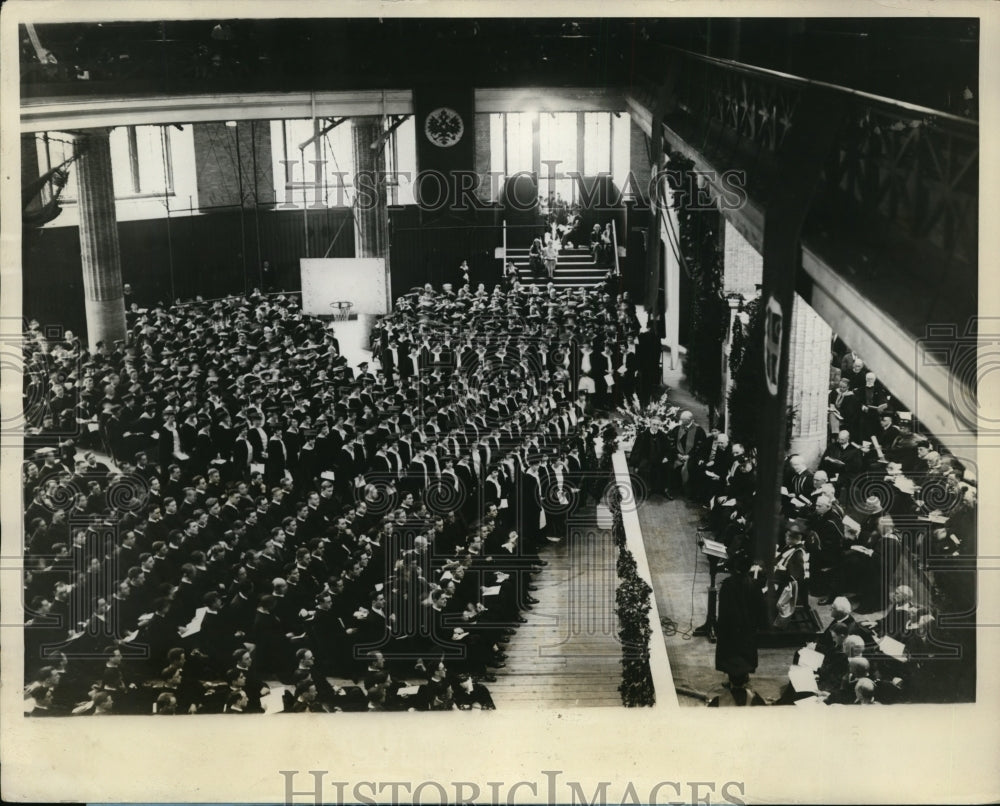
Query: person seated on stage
(864, 692)
(907, 623)
(685, 441)
(791, 571)
(536, 261)
(595, 243)
(796, 487)
(874, 402)
(841, 613)
(650, 454)
(709, 466)
(843, 407)
(842, 693)
(570, 232)
(834, 665)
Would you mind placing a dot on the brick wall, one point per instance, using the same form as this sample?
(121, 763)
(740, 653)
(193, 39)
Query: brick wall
(639, 159)
(809, 380)
(215, 151)
(744, 267)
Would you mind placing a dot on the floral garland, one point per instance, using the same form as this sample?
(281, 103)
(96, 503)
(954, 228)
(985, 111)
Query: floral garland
(632, 600)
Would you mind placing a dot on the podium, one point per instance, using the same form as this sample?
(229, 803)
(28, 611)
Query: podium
(715, 551)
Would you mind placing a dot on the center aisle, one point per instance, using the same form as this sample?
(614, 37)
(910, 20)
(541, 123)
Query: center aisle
(568, 654)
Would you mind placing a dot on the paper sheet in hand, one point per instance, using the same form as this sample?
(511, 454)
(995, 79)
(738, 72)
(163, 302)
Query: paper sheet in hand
(862, 550)
(194, 626)
(491, 591)
(408, 691)
(810, 658)
(893, 648)
(802, 679)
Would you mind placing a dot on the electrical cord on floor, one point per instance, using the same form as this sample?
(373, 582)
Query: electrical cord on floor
(670, 626)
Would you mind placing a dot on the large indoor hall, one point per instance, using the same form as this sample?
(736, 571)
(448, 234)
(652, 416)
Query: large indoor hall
(633, 366)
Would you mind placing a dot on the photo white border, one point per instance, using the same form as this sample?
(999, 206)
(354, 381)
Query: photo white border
(920, 754)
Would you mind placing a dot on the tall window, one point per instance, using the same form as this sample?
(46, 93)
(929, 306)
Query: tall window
(142, 161)
(596, 143)
(557, 143)
(401, 163)
(152, 168)
(518, 126)
(322, 172)
(621, 150)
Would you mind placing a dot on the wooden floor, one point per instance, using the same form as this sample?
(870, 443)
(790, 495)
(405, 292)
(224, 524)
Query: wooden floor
(567, 655)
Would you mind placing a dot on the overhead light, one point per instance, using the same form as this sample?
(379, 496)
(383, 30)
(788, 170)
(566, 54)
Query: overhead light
(231, 124)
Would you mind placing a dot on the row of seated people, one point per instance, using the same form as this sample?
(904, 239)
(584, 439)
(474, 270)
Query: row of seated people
(891, 525)
(415, 531)
(888, 653)
(858, 400)
(544, 330)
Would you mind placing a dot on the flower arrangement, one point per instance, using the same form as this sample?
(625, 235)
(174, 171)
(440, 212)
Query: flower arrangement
(633, 417)
(632, 600)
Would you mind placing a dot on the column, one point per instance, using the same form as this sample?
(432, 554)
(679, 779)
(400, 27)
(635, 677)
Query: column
(808, 381)
(99, 253)
(369, 166)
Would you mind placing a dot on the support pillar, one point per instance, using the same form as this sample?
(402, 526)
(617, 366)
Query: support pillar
(809, 381)
(99, 252)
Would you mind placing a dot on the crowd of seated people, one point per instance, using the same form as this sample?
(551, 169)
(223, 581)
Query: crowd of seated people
(872, 521)
(268, 516)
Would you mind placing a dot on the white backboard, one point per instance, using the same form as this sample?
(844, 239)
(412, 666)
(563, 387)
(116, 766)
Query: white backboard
(357, 280)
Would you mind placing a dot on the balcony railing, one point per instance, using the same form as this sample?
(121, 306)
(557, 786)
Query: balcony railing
(912, 167)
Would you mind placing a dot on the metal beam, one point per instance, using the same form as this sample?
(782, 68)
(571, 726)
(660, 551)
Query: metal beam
(58, 114)
(549, 99)
(66, 113)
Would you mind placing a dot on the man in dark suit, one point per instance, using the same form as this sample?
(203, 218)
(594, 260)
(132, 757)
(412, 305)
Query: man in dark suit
(686, 441)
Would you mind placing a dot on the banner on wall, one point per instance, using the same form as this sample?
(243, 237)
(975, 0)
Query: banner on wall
(445, 120)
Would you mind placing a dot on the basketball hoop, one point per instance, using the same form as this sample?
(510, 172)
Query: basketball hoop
(341, 310)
